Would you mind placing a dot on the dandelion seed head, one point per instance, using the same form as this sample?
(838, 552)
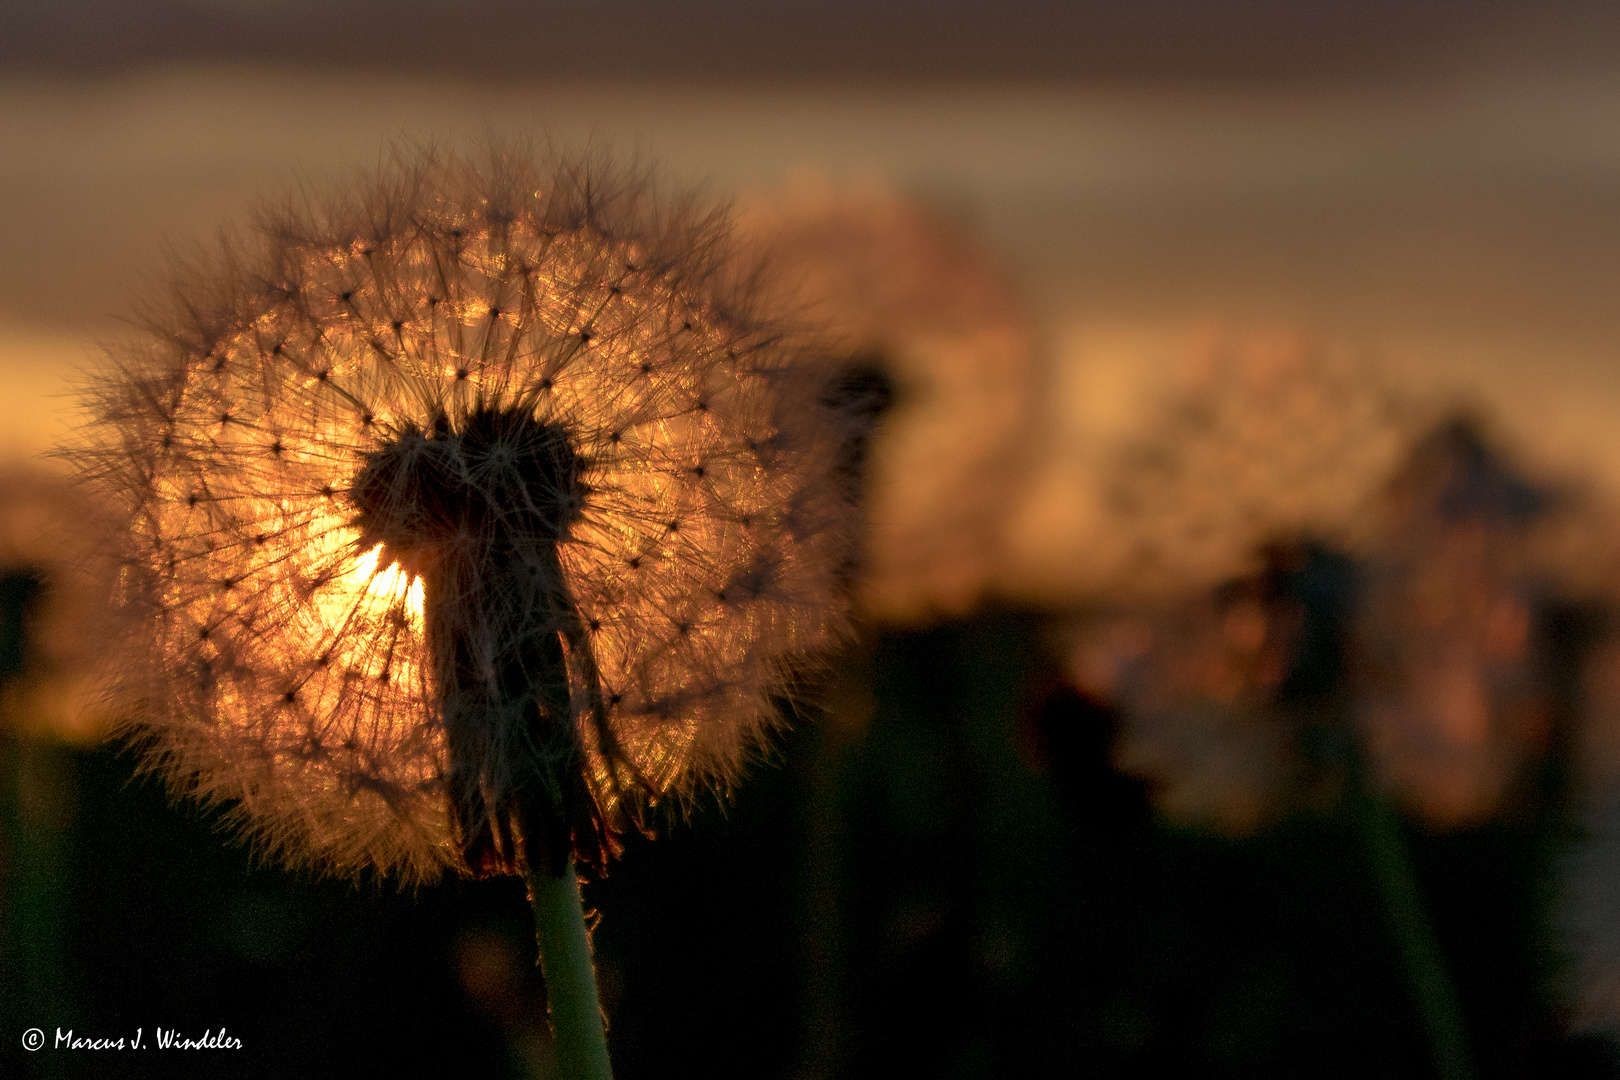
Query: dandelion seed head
(939, 374)
(386, 461)
(1441, 628)
(1236, 440)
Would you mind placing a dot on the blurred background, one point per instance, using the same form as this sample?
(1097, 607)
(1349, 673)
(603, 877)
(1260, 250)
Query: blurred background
(1236, 688)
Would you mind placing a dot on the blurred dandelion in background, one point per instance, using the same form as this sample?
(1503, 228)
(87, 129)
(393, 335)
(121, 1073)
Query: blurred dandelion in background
(922, 315)
(54, 588)
(1451, 582)
(1455, 698)
(54, 618)
(1471, 610)
(468, 516)
(1264, 435)
(1265, 441)
(1197, 683)
(1167, 461)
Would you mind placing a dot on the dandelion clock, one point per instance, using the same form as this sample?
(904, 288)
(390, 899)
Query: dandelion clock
(469, 514)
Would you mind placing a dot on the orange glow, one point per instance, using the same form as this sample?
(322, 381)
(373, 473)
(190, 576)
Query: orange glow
(387, 586)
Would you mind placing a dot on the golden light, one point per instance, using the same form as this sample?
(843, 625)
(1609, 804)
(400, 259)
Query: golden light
(387, 586)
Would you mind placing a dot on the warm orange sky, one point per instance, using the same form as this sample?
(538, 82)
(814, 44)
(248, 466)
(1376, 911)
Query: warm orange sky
(1461, 235)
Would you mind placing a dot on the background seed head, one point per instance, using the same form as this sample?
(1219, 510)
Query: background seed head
(54, 615)
(912, 296)
(283, 662)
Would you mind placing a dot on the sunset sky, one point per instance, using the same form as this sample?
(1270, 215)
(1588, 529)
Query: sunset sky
(1427, 192)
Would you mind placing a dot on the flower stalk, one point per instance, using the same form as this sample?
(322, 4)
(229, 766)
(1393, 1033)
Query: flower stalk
(1408, 916)
(565, 962)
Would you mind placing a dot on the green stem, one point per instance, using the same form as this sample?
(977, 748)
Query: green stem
(1420, 950)
(565, 962)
